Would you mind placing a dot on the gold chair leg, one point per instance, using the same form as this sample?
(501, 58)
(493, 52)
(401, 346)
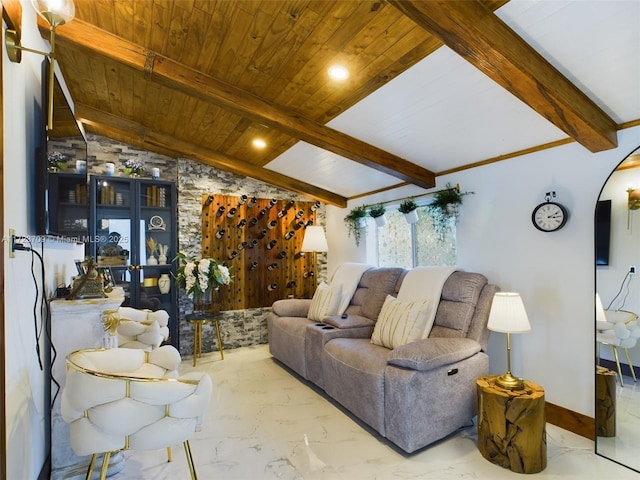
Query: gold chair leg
(105, 465)
(192, 466)
(633, 373)
(169, 454)
(615, 354)
(91, 465)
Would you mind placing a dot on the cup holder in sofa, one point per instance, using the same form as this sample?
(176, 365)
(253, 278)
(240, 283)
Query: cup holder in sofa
(319, 324)
(327, 327)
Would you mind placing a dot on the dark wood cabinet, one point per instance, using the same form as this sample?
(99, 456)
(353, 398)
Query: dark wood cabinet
(133, 232)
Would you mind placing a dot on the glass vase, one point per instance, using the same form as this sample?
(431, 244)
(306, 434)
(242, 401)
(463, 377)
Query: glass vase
(202, 301)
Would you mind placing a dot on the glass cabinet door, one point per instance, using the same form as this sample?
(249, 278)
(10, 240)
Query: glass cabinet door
(113, 229)
(157, 243)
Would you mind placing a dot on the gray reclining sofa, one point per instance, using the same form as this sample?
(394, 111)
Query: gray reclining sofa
(414, 394)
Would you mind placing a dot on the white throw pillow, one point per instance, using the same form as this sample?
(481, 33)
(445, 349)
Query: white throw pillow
(325, 302)
(401, 322)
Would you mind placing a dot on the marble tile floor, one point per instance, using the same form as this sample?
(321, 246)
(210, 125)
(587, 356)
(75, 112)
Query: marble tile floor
(266, 423)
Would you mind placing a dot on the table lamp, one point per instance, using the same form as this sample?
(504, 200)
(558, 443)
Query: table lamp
(508, 316)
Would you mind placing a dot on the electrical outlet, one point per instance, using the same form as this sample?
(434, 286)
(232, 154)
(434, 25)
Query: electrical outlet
(632, 269)
(12, 237)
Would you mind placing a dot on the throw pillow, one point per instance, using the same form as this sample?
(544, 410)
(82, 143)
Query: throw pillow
(401, 322)
(325, 302)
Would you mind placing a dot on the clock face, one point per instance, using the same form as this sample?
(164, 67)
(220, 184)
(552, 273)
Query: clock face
(549, 216)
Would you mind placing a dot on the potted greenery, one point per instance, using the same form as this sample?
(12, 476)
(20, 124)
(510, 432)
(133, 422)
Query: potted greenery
(356, 222)
(377, 213)
(445, 206)
(408, 207)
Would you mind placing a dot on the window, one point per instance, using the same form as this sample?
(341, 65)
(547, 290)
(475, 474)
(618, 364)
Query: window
(401, 244)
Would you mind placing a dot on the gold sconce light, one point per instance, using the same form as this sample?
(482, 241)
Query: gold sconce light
(633, 202)
(55, 13)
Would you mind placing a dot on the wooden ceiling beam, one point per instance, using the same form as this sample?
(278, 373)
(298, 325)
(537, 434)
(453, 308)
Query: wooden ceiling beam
(474, 32)
(191, 82)
(138, 135)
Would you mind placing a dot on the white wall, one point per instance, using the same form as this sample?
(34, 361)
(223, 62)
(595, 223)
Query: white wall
(26, 388)
(554, 272)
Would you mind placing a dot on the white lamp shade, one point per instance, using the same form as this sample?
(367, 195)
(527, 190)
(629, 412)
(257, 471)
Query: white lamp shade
(314, 240)
(507, 314)
(56, 12)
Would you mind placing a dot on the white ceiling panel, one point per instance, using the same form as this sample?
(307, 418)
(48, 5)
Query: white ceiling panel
(329, 171)
(444, 113)
(595, 44)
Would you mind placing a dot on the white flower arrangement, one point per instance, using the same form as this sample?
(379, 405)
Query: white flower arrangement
(198, 276)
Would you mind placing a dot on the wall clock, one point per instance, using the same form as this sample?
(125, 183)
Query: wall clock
(549, 216)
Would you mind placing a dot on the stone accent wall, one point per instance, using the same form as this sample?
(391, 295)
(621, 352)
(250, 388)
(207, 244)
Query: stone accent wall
(237, 327)
(193, 179)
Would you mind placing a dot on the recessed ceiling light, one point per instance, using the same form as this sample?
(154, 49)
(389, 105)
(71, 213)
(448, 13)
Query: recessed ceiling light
(259, 143)
(338, 72)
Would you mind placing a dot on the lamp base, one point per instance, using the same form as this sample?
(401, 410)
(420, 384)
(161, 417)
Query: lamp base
(509, 382)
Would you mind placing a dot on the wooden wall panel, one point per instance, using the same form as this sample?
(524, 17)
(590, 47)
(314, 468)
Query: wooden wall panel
(260, 239)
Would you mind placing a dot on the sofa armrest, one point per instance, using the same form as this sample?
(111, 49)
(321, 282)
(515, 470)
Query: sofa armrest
(291, 307)
(351, 321)
(432, 353)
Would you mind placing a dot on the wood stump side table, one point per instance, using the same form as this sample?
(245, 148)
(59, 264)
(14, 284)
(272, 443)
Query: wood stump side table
(605, 402)
(512, 425)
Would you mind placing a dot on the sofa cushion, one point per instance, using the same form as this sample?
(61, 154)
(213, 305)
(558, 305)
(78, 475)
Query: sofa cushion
(432, 353)
(401, 322)
(372, 291)
(291, 307)
(458, 301)
(353, 370)
(325, 301)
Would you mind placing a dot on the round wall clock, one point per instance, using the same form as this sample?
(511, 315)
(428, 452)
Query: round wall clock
(549, 216)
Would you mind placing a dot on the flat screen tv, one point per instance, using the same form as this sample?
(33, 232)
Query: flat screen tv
(603, 231)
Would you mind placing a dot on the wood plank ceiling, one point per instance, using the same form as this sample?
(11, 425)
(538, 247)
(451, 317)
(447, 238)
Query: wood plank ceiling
(202, 78)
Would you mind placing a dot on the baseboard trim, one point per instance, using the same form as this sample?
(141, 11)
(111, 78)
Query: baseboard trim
(574, 422)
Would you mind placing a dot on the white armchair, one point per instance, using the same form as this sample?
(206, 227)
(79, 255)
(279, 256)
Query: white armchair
(122, 398)
(618, 328)
(142, 329)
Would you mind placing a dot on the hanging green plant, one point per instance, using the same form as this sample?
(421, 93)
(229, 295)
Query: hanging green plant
(409, 208)
(356, 222)
(408, 205)
(377, 213)
(445, 207)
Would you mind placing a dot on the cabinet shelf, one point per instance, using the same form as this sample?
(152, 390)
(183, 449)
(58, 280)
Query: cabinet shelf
(124, 226)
